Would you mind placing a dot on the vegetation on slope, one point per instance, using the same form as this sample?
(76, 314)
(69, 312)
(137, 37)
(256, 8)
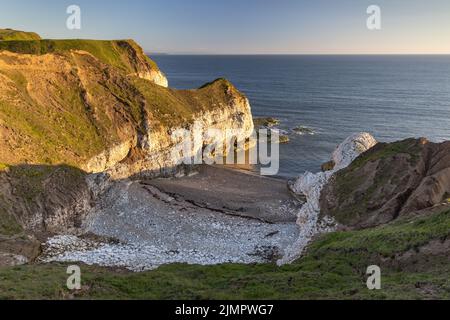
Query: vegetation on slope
(10, 34)
(116, 53)
(333, 268)
(384, 151)
(9, 226)
(174, 107)
(69, 107)
(388, 181)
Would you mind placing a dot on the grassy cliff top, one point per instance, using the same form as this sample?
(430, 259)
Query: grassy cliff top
(117, 53)
(10, 34)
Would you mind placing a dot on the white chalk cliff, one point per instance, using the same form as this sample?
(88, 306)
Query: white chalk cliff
(310, 185)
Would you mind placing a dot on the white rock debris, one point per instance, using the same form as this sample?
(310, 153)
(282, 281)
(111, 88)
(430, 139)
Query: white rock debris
(310, 185)
(151, 229)
(8, 259)
(137, 256)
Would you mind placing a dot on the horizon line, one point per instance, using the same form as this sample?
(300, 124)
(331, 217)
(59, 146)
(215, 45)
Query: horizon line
(293, 54)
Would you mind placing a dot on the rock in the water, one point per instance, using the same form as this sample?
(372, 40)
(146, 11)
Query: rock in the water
(284, 139)
(328, 166)
(301, 130)
(268, 122)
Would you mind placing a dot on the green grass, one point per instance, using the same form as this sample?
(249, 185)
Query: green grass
(179, 107)
(8, 224)
(112, 52)
(388, 240)
(333, 268)
(61, 128)
(384, 151)
(10, 34)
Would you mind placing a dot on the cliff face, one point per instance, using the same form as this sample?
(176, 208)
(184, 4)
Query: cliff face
(390, 181)
(154, 156)
(42, 198)
(70, 108)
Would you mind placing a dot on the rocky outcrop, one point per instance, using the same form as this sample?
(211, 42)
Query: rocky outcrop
(155, 76)
(36, 202)
(389, 181)
(309, 185)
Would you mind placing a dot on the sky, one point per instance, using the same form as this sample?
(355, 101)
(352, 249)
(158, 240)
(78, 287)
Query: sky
(245, 26)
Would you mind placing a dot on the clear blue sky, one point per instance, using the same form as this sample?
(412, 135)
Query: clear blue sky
(244, 26)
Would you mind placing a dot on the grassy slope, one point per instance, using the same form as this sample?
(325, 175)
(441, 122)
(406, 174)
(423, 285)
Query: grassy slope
(174, 107)
(10, 34)
(112, 52)
(334, 267)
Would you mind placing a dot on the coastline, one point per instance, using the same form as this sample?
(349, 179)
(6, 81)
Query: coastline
(94, 174)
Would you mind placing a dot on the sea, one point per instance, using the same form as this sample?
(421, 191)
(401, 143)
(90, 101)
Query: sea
(393, 97)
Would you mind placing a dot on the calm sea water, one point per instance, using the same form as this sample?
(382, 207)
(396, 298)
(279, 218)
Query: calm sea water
(391, 97)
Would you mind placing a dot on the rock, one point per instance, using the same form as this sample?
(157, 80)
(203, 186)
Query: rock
(310, 185)
(45, 198)
(328, 166)
(153, 228)
(351, 148)
(389, 181)
(268, 122)
(284, 139)
(301, 130)
(11, 260)
(18, 250)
